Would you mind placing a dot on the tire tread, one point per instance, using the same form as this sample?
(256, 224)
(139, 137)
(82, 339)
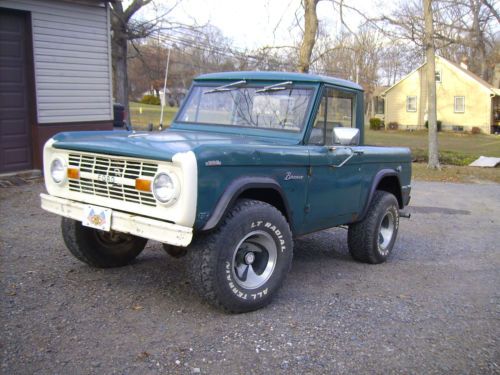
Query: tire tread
(361, 235)
(77, 241)
(203, 263)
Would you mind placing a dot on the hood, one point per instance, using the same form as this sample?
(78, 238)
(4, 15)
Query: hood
(156, 146)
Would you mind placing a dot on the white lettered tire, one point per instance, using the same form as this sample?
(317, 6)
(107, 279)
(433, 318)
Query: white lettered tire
(372, 239)
(240, 266)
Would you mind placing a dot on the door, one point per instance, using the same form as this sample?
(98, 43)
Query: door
(333, 191)
(15, 134)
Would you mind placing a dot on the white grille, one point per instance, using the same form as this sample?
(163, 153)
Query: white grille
(112, 178)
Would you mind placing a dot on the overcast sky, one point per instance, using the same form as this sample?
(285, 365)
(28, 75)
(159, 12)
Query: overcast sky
(255, 23)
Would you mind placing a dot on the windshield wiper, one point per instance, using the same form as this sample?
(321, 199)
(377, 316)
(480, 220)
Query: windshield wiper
(228, 87)
(278, 86)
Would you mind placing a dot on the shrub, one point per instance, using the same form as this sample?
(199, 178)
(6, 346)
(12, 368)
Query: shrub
(439, 123)
(393, 125)
(445, 157)
(150, 99)
(376, 123)
(475, 130)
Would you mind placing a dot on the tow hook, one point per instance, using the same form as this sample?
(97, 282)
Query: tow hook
(405, 214)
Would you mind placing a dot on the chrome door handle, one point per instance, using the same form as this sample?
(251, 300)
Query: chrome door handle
(353, 152)
(343, 162)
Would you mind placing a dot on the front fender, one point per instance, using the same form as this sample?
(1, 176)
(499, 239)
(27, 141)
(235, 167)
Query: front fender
(235, 189)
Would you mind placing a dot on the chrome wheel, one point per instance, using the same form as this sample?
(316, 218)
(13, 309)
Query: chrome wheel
(254, 259)
(386, 232)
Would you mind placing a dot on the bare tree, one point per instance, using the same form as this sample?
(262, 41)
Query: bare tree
(125, 29)
(433, 162)
(462, 28)
(492, 9)
(472, 29)
(309, 37)
(397, 59)
(120, 25)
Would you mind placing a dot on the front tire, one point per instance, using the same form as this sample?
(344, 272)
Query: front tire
(372, 239)
(240, 266)
(100, 249)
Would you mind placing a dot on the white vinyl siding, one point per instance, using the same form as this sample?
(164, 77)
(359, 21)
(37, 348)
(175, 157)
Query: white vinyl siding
(71, 50)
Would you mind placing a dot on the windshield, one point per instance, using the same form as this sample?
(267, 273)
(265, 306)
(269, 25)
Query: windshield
(276, 107)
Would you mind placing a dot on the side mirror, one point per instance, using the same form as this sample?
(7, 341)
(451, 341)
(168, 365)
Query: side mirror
(346, 136)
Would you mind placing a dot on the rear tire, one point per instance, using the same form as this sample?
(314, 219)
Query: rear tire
(100, 249)
(372, 239)
(241, 265)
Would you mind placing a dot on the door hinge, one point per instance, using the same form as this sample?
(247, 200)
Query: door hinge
(307, 208)
(310, 171)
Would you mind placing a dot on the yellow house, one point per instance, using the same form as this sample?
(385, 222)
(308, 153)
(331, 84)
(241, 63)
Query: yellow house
(464, 100)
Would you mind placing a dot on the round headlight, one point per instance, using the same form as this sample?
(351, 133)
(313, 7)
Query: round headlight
(164, 187)
(57, 170)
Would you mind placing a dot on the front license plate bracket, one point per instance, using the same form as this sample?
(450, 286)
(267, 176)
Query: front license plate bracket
(97, 217)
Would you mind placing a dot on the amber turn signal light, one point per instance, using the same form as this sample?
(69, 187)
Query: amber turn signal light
(142, 184)
(73, 173)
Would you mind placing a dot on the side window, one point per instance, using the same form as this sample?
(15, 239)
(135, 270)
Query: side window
(438, 76)
(337, 109)
(459, 106)
(411, 104)
(317, 136)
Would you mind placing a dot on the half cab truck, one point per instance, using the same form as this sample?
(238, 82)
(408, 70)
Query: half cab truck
(251, 161)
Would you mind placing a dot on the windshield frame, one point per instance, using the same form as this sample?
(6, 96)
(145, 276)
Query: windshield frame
(248, 130)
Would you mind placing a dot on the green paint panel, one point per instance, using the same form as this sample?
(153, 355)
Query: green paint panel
(318, 193)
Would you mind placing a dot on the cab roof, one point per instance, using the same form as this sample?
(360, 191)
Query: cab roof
(278, 76)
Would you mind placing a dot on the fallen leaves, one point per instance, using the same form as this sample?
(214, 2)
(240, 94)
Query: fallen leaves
(143, 356)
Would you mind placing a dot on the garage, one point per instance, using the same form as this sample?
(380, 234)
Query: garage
(55, 75)
(15, 132)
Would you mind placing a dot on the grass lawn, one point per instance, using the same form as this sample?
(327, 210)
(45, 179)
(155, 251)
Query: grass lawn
(454, 148)
(472, 145)
(455, 173)
(150, 114)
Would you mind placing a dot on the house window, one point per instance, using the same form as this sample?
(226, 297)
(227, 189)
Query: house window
(438, 76)
(379, 105)
(411, 104)
(459, 104)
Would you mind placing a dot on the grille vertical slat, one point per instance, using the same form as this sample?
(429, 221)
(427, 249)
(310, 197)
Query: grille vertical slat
(116, 168)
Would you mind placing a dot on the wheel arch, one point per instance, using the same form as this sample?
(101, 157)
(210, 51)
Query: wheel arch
(385, 180)
(264, 189)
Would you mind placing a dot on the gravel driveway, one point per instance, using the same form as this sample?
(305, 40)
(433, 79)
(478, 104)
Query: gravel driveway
(434, 307)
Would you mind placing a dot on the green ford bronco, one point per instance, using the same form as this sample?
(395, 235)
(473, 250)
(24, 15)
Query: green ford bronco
(252, 160)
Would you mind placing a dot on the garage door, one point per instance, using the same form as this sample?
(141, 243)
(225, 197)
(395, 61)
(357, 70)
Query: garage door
(15, 137)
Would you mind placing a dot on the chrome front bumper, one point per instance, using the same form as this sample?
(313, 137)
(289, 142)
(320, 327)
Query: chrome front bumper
(141, 226)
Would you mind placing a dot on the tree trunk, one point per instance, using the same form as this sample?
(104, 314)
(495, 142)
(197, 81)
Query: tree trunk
(433, 162)
(479, 43)
(309, 38)
(119, 44)
(121, 76)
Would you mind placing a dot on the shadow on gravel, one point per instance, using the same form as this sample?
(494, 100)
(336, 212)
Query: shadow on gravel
(322, 246)
(437, 210)
(152, 274)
